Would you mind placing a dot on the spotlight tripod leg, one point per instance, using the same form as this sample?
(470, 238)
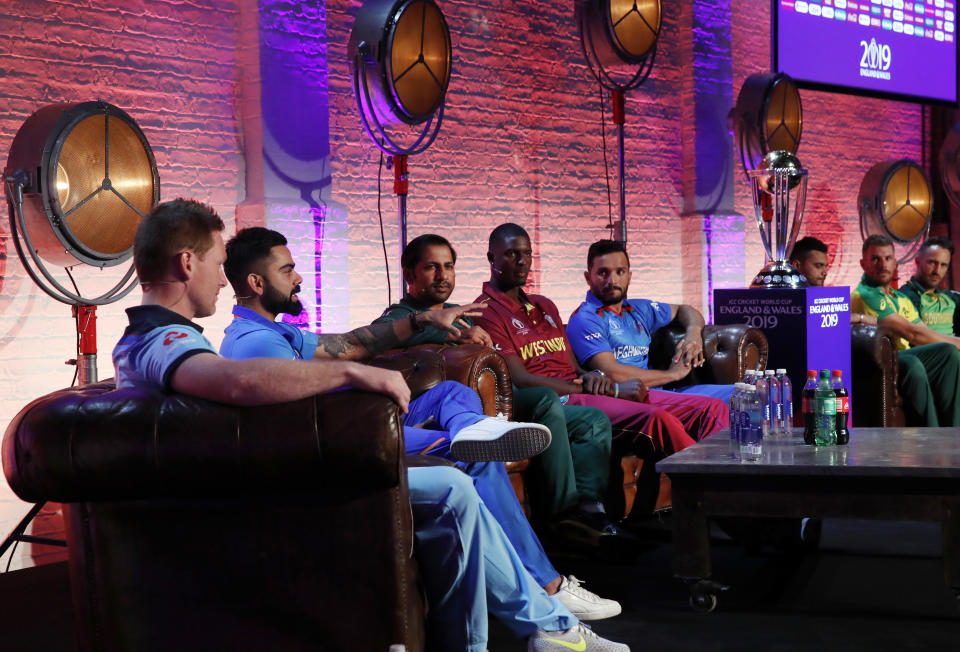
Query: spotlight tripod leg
(18, 532)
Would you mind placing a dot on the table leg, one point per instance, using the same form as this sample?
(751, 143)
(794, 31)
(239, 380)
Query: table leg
(691, 536)
(951, 547)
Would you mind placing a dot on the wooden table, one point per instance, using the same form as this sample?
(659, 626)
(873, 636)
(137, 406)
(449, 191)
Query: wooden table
(910, 474)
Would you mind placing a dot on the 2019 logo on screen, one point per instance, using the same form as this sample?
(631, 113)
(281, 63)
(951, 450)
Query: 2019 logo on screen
(875, 59)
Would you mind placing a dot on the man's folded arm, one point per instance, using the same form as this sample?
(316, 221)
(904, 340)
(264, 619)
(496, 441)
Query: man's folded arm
(262, 381)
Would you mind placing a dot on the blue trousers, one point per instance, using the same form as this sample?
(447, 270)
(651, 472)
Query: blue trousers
(469, 566)
(722, 392)
(450, 407)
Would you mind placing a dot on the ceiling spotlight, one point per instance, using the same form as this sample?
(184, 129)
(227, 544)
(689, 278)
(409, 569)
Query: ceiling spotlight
(896, 200)
(768, 117)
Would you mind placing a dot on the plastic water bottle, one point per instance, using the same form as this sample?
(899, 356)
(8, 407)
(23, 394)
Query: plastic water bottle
(786, 402)
(843, 407)
(735, 420)
(773, 401)
(809, 408)
(751, 430)
(825, 424)
(763, 394)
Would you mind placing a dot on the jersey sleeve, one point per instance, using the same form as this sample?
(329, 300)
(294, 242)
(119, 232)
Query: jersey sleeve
(260, 343)
(587, 333)
(661, 314)
(164, 349)
(429, 335)
(872, 302)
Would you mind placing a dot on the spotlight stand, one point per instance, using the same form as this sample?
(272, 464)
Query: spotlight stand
(617, 91)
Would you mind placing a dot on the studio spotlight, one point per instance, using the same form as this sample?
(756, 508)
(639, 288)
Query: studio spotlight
(768, 117)
(401, 58)
(896, 200)
(619, 42)
(950, 165)
(79, 178)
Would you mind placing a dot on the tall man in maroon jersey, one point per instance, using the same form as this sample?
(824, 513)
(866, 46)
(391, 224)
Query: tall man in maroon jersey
(527, 330)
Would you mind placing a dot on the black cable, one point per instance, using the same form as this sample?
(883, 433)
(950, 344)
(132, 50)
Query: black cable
(383, 239)
(606, 166)
(76, 328)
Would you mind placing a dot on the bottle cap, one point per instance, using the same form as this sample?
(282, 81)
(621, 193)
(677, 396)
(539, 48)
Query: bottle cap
(811, 373)
(781, 371)
(769, 372)
(837, 372)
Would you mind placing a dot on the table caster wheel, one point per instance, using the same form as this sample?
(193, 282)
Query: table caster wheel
(703, 603)
(703, 595)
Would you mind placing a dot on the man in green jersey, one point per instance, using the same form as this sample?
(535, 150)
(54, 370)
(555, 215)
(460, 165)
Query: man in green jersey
(937, 307)
(568, 480)
(929, 362)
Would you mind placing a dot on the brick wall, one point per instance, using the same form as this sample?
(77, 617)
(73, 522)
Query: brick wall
(520, 141)
(170, 65)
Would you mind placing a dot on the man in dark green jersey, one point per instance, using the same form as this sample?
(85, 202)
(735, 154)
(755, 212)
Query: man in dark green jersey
(937, 306)
(569, 479)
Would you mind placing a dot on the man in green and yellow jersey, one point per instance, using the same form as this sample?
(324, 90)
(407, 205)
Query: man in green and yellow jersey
(938, 307)
(929, 362)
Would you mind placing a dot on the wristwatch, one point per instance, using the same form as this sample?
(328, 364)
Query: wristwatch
(414, 325)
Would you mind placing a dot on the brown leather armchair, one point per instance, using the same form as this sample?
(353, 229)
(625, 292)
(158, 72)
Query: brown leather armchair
(193, 525)
(874, 399)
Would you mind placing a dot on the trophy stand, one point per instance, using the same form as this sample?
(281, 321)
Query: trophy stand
(779, 192)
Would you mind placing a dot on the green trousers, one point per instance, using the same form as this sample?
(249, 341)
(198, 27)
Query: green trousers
(576, 465)
(929, 378)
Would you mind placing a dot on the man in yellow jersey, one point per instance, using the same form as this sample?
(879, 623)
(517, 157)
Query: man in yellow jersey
(929, 362)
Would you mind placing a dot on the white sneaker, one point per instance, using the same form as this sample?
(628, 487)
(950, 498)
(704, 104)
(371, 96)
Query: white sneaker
(579, 637)
(497, 440)
(582, 603)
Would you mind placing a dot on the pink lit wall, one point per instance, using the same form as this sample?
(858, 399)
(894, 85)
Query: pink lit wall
(521, 142)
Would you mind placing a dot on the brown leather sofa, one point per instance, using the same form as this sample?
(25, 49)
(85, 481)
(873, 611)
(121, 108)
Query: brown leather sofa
(193, 525)
(875, 400)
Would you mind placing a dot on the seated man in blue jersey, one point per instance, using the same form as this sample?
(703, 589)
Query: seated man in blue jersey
(262, 272)
(468, 564)
(612, 334)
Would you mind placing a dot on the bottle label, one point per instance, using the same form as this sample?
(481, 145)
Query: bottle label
(843, 404)
(826, 406)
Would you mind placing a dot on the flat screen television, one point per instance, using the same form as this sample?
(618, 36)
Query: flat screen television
(885, 48)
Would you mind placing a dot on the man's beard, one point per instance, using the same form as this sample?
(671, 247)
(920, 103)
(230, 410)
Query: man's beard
(608, 299)
(275, 302)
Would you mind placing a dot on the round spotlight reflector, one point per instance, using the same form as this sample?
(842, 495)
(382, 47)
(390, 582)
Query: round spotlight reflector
(622, 31)
(768, 116)
(950, 165)
(896, 200)
(89, 178)
(406, 53)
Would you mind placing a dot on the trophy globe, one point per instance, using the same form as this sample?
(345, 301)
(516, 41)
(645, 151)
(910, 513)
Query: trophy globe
(779, 186)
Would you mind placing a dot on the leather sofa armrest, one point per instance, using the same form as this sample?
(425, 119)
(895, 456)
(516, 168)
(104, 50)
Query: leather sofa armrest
(729, 350)
(875, 400)
(97, 443)
(478, 367)
(485, 371)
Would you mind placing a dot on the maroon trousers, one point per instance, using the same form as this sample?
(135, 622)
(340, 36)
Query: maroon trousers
(668, 423)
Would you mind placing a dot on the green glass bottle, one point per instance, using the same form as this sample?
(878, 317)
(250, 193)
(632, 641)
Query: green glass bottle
(825, 425)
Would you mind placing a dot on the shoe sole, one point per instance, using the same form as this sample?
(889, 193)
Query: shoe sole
(512, 446)
(598, 614)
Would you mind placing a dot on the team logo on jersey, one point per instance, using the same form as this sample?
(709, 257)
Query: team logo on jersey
(655, 305)
(550, 320)
(614, 325)
(171, 336)
(520, 326)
